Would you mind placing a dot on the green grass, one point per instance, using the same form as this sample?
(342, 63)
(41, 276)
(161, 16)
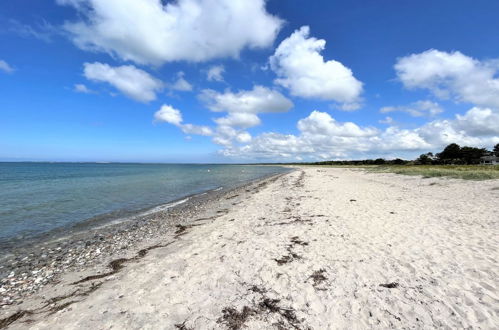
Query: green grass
(467, 172)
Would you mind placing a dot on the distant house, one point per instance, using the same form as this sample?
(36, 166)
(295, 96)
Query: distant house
(489, 160)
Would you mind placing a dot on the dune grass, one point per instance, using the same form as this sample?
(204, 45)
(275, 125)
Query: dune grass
(467, 172)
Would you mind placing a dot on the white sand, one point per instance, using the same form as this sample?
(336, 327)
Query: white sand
(437, 238)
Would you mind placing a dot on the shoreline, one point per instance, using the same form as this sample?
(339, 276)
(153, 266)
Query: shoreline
(27, 269)
(316, 248)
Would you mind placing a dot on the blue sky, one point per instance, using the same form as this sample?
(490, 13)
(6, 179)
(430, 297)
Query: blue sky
(244, 81)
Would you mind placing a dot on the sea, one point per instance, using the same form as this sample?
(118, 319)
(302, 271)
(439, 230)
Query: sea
(37, 199)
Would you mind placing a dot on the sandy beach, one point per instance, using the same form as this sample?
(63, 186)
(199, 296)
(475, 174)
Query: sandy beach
(318, 248)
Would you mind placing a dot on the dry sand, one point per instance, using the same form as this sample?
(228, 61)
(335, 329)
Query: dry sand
(319, 248)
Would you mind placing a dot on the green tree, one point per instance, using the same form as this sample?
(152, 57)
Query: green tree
(398, 161)
(496, 150)
(470, 155)
(450, 154)
(425, 159)
(380, 161)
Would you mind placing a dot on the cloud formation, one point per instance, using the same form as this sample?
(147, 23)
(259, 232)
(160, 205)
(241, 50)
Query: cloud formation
(301, 68)
(242, 110)
(155, 32)
(43, 31)
(81, 88)
(215, 73)
(322, 137)
(417, 109)
(181, 84)
(169, 114)
(479, 122)
(131, 81)
(258, 100)
(452, 75)
(5, 67)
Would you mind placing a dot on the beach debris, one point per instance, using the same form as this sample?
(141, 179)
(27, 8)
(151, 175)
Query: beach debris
(117, 264)
(181, 230)
(295, 219)
(391, 285)
(204, 219)
(12, 318)
(295, 240)
(353, 200)
(272, 306)
(318, 277)
(51, 306)
(182, 326)
(234, 319)
(284, 260)
(257, 289)
(60, 307)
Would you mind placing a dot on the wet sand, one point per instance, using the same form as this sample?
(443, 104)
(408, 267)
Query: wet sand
(319, 248)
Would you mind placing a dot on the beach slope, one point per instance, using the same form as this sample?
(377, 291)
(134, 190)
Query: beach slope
(319, 248)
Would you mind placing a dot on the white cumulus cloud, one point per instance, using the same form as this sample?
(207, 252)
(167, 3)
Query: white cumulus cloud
(479, 122)
(239, 119)
(452, 75)
(258, 100)
(242, 109)
(322, 137)
(169, 114)
(301, 68)
(131, 81)
(155, 31)
(321, 123)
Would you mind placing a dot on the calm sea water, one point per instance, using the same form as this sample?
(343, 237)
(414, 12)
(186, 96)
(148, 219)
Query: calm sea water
(37, 198)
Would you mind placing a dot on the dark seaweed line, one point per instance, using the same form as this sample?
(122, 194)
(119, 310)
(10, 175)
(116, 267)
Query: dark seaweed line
(115, 265)
(118, 264)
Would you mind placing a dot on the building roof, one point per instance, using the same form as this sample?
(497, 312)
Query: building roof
(490, 157)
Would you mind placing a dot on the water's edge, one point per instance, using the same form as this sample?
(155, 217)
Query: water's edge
(106, 219)
(30, 273)
(108, 224)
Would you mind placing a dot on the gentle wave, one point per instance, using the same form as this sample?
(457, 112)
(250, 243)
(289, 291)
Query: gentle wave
(165, 207)
(40, 198)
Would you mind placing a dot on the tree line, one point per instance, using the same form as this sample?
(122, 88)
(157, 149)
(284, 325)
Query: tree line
(457, 155)
(453, 154)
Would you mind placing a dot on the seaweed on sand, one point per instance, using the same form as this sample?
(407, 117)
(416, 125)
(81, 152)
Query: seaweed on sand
(234, 319)
(5, 322)
(391, 285)
(318, 277)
